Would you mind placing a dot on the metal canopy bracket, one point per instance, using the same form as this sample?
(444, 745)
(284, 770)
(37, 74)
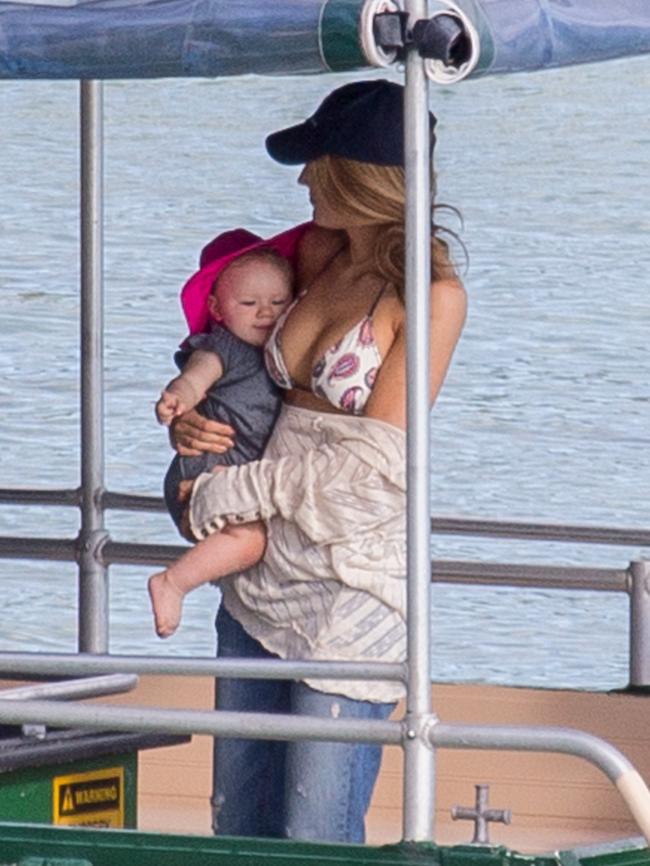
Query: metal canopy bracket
(442, 37)
(446, 40)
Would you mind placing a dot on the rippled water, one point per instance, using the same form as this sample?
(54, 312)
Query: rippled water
(545, 413)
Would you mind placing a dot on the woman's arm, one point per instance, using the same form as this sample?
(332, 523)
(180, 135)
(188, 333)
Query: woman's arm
(324, 490)
(301, 486)
(387, 401)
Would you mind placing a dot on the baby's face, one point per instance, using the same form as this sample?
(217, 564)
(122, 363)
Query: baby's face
(249, 299)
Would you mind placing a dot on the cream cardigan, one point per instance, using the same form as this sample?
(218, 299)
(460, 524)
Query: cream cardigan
(331, 491)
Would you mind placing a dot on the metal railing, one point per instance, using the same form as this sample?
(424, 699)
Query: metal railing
(633, 581)
(267, 726)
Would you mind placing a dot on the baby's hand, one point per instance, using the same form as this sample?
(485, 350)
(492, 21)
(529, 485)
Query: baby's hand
(168, 407)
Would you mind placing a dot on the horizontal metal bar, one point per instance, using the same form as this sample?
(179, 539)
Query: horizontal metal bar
(132, 502)
(567, 741)
(90, 687)
(262, 726)
(443, 571)
(531, 576)
(54, 549)
(528, 738)
(510, 529)
(39, 497)
(71, 664)
(133, 553)
(574, 533)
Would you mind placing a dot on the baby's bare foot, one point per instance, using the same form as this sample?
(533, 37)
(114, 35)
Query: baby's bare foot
(166, 602)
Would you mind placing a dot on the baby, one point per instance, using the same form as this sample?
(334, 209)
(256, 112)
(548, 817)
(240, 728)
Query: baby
(223, 375)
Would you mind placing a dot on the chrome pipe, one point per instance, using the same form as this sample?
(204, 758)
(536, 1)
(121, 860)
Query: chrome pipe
(50, 549)
(132, 502)
(569, 533)
(443, 571)
(71, 664)
(39, 497)
(93, 575)
(640, 624)
(134, 553)
(531, 738)
(67, 690)
(531, 576)
(260, 726)
(511, 529)
(567, 741)
(418, 754)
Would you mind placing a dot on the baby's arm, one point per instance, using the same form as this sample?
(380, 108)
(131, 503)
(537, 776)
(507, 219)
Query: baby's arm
(202, 369)
(234, 549)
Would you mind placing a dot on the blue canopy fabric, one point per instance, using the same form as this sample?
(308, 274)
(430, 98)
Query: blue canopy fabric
(99, 39)
(520, 35)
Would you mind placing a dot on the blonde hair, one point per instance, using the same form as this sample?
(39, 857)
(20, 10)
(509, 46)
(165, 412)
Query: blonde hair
(377, 193)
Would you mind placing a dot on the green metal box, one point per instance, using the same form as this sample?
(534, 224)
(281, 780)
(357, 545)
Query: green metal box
(72, 778)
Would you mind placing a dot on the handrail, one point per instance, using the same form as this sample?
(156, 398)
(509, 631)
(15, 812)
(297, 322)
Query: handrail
(540, 531)
(567, 741)
(572, 533)
(634, 581)
(73, 664)
(444, 571)
(271, 726)
(32, 496)
(531, 576)
(261, 726)
(67, 690)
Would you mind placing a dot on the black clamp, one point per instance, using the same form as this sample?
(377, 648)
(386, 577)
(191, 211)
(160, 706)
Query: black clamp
(442, 37)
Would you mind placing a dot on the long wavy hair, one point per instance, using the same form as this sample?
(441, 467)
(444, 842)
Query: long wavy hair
(376, 193)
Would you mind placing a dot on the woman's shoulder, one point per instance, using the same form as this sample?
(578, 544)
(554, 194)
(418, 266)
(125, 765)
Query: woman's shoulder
(316, 247)
(449, 298)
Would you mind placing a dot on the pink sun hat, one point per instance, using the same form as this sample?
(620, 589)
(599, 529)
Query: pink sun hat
(216, 255)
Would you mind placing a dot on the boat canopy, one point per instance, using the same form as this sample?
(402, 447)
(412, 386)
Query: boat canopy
(104, 39)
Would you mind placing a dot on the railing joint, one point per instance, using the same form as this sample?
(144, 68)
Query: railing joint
(91, 545)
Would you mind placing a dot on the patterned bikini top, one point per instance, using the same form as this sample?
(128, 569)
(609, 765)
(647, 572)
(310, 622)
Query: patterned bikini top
(345, 374)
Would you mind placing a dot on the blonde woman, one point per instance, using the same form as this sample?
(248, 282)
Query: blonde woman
(328, 497)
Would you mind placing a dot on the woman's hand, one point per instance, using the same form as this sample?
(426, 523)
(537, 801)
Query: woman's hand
(184, 496)
(191, 434)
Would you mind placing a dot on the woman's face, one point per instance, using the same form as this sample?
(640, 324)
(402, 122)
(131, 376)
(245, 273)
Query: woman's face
(325, 215)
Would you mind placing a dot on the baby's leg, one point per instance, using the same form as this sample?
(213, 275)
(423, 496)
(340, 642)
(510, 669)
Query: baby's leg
(234, 549)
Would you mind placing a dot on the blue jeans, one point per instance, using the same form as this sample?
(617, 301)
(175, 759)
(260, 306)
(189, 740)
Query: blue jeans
(297, 790)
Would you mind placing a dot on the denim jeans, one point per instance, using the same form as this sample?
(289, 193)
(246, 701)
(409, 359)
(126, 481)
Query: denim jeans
(298, 790)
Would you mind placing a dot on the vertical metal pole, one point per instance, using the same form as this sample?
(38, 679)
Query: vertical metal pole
(640, 624)
(93, 576)
(418, 754)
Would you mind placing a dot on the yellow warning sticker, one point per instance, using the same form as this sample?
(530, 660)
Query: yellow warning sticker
(92, 799)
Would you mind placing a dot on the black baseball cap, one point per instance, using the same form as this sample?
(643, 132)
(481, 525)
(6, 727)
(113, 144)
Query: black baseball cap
(362, 121)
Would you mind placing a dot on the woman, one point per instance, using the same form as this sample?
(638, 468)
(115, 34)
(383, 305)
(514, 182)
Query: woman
(331, 487)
